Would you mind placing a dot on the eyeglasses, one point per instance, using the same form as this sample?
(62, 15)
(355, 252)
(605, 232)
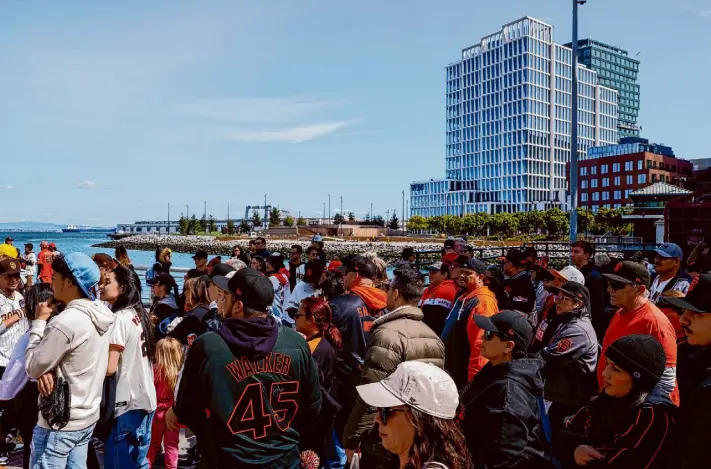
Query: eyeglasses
(385, 411)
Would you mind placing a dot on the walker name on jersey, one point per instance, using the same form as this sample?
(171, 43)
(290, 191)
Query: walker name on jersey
(277, 363)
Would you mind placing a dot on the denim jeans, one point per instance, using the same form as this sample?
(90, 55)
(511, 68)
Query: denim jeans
(57, 449)
(128, 443)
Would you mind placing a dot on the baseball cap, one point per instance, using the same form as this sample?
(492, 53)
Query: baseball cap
(334, 266)
(576, 290)
(53, 245)
(252, 288)
(511, 325)
(221, 269)
(629, 272)
(697, 298)
(85, 272)
(474, 264)
(104, 260)
(670, 250)
(437, 267)
(200, 254)
(9, 238)
(317, 238)
(568, 273)
(420, 385)
(361, 265)
(164, 279)
(450, 258)
(222, 281)
(641, 356)
(449, 244)
(29, 245)
(516, 257)
(9, 267)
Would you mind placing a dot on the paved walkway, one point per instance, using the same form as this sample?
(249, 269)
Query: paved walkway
(185, 444)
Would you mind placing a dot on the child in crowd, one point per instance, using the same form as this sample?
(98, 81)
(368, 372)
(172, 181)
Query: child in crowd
(168, 361)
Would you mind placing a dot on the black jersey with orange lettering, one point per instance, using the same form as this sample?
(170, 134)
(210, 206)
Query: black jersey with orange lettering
(246, 390)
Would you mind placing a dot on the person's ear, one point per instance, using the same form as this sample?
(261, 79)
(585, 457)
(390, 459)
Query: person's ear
(509, 346)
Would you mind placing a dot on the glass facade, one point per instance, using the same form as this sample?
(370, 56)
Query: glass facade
(616, 70)
(629, 145)
(508, 113)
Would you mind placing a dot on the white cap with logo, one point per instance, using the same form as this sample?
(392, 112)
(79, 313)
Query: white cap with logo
(419, 385)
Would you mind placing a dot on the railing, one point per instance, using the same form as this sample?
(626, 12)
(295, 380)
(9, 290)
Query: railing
(146, 290)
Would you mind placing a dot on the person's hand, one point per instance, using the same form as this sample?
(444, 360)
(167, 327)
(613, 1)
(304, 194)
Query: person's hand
(12, 319)
(43, 311)
(584, 454)
(45, 384)
(171, 420)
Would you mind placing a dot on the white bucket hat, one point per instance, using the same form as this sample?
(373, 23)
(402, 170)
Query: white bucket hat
(419, 385)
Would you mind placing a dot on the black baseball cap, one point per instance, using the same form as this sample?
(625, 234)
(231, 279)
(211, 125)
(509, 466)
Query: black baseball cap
(477, 265)
(698, 299)
(314, 269)
(510, 325)
(576, 290)
(9, 267)
(250, 287)
(516, 257)
(361, 265)
(629, 272)
(165, 280)
(29, 245)
(449, 244)
(9, 238)
(221, 269)
(201, 254)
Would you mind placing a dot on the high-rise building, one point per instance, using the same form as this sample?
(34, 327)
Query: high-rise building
(508, 113)
(617, 70)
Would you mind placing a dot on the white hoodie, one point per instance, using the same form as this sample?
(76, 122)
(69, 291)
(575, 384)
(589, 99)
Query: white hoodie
(76, 342)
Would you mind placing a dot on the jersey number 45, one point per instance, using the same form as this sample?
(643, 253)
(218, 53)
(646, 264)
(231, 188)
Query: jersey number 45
(254, 414)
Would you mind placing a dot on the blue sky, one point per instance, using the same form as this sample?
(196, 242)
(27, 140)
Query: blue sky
(111, 110)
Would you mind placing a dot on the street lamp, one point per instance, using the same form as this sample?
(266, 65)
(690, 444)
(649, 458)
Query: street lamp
(574, 130)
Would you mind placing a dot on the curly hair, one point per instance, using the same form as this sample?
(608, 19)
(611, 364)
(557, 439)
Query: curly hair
(437, 440)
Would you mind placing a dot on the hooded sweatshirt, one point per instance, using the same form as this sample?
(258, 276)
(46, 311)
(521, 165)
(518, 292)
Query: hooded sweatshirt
(259, 383)
(375, 301)
(75, 344)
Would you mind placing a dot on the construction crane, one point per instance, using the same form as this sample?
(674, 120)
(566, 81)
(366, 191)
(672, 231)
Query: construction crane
(266, 208)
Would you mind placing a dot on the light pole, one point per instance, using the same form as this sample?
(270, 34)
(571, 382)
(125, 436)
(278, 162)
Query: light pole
(371, 211)
(329, 209)
(574, 130)
(340, 225)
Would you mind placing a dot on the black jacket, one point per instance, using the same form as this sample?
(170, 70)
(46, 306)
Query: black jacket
(694, 428)
(500, 416)
(599, 299)
(571, 360)
(192, 324)
(520, 293)
(629, 436)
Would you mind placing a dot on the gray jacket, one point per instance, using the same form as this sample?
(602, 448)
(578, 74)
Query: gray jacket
(571, 360)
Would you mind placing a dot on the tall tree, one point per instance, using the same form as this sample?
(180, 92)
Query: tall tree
(586, 220)
(417, 223)
(183, 225)
(557, 222)
(351, 217)
(274, 217)
(503, 225)
(378, 221)
(256, 220)
(193, 225)
(289, 221)
(244, 226)
(394, 223)
(475, 223)
(202, 224)
(338, 219)
(230, 227)
(301, 221)
(212, 225)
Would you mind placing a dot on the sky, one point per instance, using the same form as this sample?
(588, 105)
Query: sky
(109, 111)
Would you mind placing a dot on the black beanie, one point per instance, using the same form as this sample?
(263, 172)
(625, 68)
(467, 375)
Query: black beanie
(642, 356)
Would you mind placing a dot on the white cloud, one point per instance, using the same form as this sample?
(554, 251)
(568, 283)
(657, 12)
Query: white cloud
(302, 133)
(86, 185)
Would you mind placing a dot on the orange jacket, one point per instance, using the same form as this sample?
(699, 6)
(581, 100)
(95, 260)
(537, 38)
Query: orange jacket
(487, 307)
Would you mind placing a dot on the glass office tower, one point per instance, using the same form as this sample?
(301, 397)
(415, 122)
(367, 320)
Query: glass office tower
(616, 70)
(508, 112)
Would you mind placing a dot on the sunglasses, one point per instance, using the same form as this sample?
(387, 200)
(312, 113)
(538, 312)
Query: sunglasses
(617, 285)
(488, 335)
(385, 411)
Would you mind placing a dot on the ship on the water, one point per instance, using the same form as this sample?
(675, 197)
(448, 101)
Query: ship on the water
(86, 229)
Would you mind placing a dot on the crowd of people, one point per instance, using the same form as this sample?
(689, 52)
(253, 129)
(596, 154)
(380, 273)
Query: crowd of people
(277, 362)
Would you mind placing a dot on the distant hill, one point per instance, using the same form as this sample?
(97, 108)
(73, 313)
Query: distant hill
(29, 226)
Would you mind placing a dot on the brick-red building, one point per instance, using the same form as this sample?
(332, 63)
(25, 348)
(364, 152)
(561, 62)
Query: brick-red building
(608, 179)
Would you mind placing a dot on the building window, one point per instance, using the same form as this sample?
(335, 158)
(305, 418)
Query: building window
(603, 169)
(615, 167)
(593, 170)
(629, 166)
(593, 183)
(584, 184)
(641, 179)
(639, 164)
(605, 195)
(617, 180)
(584, 197)
(605, 182)
(654, 178)
(584, 171)
(618, 195)
(627, 194)
(630, 179)
(595, 196)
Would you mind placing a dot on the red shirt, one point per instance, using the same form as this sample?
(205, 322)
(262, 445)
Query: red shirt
(645, 320)
(44, 258)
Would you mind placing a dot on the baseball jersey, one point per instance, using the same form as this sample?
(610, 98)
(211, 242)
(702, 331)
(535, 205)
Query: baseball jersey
(134, 377)
(10, 336)
(31, 268)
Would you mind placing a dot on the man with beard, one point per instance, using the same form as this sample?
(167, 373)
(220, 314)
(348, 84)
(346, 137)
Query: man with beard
(694, 374)
(670, 276)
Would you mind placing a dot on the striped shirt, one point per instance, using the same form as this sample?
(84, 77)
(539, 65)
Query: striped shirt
(9, 336)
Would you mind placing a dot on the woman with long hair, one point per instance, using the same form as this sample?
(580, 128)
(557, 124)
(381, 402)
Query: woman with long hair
(629, 424)
(121, 255)
(197, 304)
(168, 361)
(130, 351)
(313, 320)
(239, 254)
(259, 264)
(417, 407)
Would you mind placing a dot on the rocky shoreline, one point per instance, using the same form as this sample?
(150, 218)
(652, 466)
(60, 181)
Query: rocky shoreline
(389, 251)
